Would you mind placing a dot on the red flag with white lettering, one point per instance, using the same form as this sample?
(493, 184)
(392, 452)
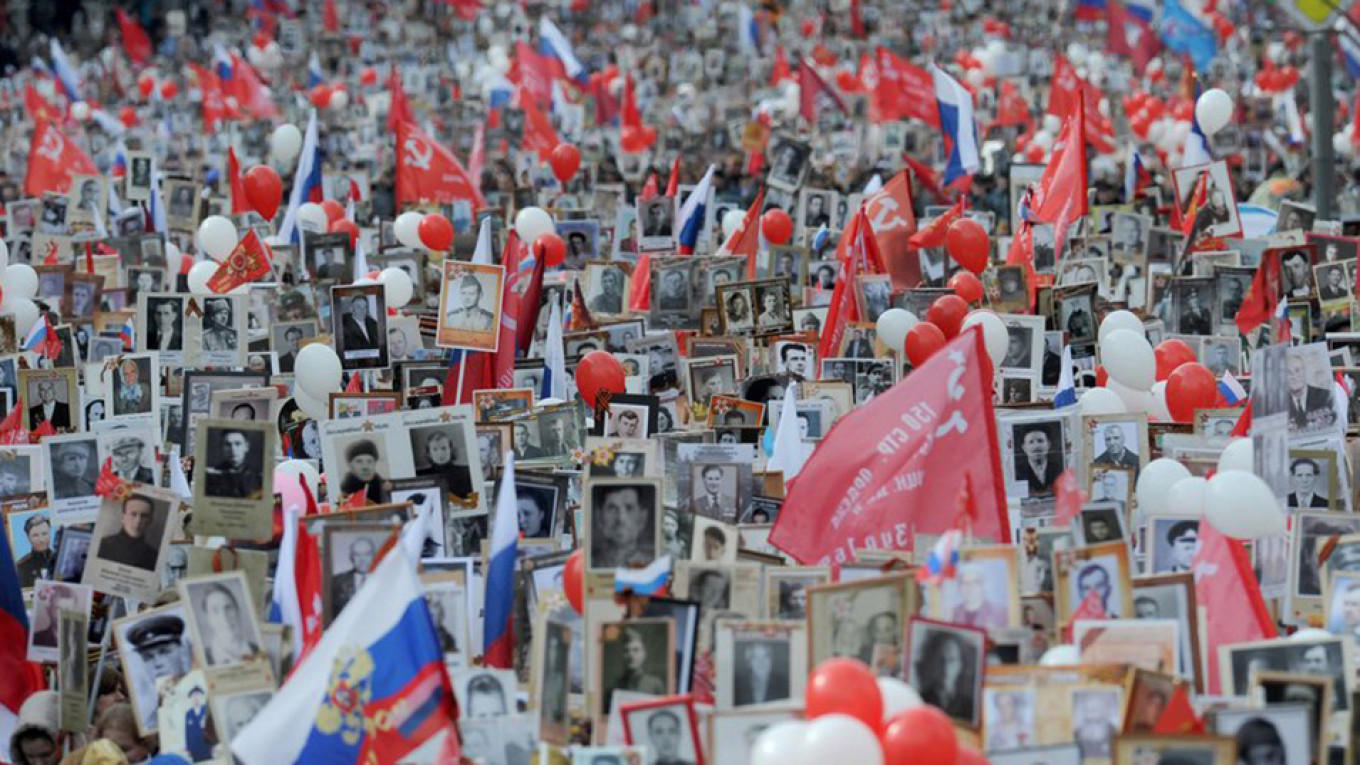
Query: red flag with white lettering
(428, 172)
(1063, 94)
(868, 487)
(898, 89)
(53, 159)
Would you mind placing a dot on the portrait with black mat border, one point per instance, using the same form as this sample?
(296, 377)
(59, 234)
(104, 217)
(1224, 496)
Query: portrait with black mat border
(359, 325)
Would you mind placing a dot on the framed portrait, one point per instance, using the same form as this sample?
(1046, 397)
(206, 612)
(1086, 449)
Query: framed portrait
(1218, 217)
(733, 412)
(1322, 657)
(1100, 572)
(1282, 731)
(861, 620)
(1172, 596)
(627, 416)
(1075, 311)
(1171, 543)
(685, 615)
(1148, 695)
(470, 306)
(711, 376)
(330, 255)
(552, 679)
(656, 224)
(1035, 450)
(606, 289)
(1210, 750)
(541, 504)
(154, 647)
(222, 621)
(946, 668)
(234, 478)
(130, 535)
(788, 162)
(786, 590)
(633, 655)
(1276, 688)
(668, 727)
(760, 662)
(50, 599)
(350, 551)
(621, 516)
(50, 396)
(1024, 343)
(359, 325)
(623, 458)
(731, 733)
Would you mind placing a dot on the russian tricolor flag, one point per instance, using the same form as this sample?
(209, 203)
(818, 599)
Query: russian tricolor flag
(644, 581)
(14, 667)
(306, 183)
(498, 637)
(37, 336)
(956, 117)
(1231, 390)
(1067, 386)
(128, 334)
(1196, 151)
(943, 560)
(65, 72)
(554, 359)
(551, 42)
(1136, 175)
(314, 75)
(222, 62)
(693, 213)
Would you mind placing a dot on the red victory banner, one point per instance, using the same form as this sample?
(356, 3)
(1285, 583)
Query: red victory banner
(893, 468)
(248, 262)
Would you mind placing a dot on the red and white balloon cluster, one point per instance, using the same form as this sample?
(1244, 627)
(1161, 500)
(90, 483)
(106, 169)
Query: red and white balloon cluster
(854, 717)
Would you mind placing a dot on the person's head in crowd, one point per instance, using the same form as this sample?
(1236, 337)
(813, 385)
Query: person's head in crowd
(118, 724)
(485, 698)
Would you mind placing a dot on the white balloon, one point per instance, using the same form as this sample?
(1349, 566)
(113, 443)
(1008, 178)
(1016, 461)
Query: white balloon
(1186, 496)
(994, 334)
(1155, 482)
(533, 222)
(1076, 53)
(1213, 110)
(199, 275)
(549, 401)
(407, 229)
(217, 237)
(976, 77)
(1341, 143)
(1101, 401)
(1061, 655)
(1242, 505)
(1135, 401)
(893, 326)
(1239, 454)
(397, 286)
(286, 143)
(318, 370)
(897, 697)
(1044, 139)
(339, 100)
(174, 259)
(19, 280)
(312, 217)
(314, 407)
(80, 111)
(1129, 359)
(1052, 124)
(4, 254)
(1121, 319)
(25, 315)
(1159, 410)
(840, 738)
(731, 222)
(1306, 634)
(780, 744)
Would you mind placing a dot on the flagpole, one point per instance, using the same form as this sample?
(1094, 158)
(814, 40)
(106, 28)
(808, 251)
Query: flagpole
(462, 370)
(1323, 103)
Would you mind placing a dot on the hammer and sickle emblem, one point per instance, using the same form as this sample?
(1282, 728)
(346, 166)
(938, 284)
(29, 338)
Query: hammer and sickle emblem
(885, 214)
(52, 145)
(418, 154)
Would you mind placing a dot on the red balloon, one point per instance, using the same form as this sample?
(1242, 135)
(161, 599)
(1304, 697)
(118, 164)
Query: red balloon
(169, 89)
(369, 76)
(551, 247)
(636, 139)
(565, 160)
(598, 371)
(923, 340)
(573, 579)
(969, 756)
(1192, 386)
(346, 225)
(436, 232)
(919, 734)
(320, 96)
(1170, 355)
(128, 116)
(777, 226)
(264, 190)
(1034, 153)
(966, 286)
(334, 210)
(847, 687)
(948, 313)
(967, 243)
(145, 85)
(1102, 376)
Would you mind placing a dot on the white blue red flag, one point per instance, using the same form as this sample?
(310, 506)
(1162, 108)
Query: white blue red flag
(1231, 390)
(1067, 386)
(554, 359)
(942, 562)
(693, 213)
(66, 73)
(552, 42)
(646, 581)
(958, 123)
(498, 636)
(306, 183)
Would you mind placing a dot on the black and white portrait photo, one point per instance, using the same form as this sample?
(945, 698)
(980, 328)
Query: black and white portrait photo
(624, 527)
(656, 217)
(1174, 543)
(441, 452)
(131, 532)
(350, 553)
(604, 290)
(635, 655)
(132, 391)
(1279, 734)
(1308, 388)
(235, 462)
(152, 646)
(946, 668)
(1020, 345)
(222, 615)
(788, 160)
(287, 340)
(666, 729)
(359, 326)
(760, 668)
(1038, 455)
(1095, 720)
(74, 468)
(536, 506)
(164, 319)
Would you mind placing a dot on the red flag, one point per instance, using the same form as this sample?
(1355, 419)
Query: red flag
(1178, 717)
(745, 241)
(1224, 579)
(428, 172)
(250, 260)
(898, 89)
(239, 203)
(649, 188)
(52, 345)
(477, 373)
(893, 221)
(1067, 91)
(858, 254)
(868, 486)
(356, 383)
(1068, 497)
(252, 97)
(928, 177)
(43, 430)
(135, 41)
(533, 72)
(640, 288)
(356, 500)
(856, 20)
(580, 314)
(40, 108)
(214, 103)
(108, 484)
(781, 67)
(1061, 198)
(633, 135)
(1242, 428)
(330, 18)
(539, 136)
(52, 160)
(934, 233)
(1011, 109)
(673, 180)
(1198, 196)
(530, 301)
(511, 311)
(307, 577)
(399, 111)
(1130, 35)
(810, 86)
(1263, 296)
(12, 427)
